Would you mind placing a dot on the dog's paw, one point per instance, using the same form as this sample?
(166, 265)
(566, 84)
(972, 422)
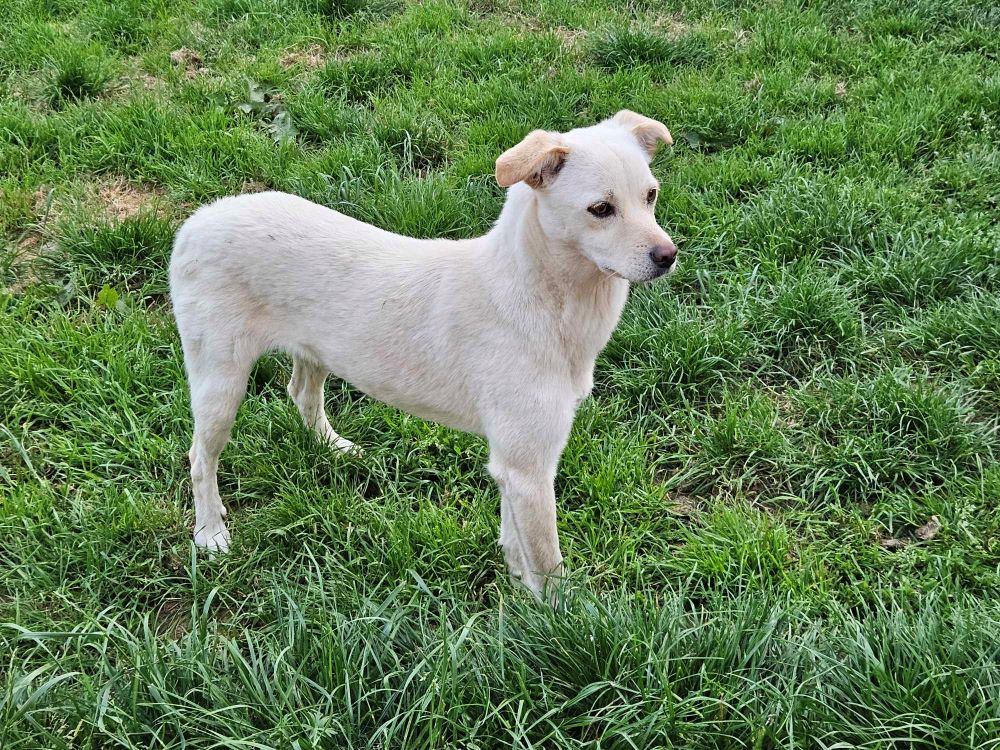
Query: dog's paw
(345, 446)
(213, 537)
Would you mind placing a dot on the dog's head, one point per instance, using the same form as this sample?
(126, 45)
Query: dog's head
(595, 192)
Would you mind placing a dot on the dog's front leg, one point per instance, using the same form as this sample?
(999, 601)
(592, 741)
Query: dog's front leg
(523, 463)
(528, 525)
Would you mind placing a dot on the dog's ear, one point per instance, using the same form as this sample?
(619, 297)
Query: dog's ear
(647, 131)
(536, 160)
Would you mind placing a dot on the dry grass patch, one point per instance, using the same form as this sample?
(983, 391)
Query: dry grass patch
(189, 61)
(255, 186)
(569, 38)
(309, 58)
(119, 199)
(673, 26)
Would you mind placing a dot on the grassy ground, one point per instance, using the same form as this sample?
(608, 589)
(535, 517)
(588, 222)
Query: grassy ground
(744, 499)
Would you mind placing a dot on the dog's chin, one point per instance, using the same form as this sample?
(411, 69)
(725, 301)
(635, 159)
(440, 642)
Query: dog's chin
(649, 276)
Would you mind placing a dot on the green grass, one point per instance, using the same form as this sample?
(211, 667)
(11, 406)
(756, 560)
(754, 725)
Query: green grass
(820, 376)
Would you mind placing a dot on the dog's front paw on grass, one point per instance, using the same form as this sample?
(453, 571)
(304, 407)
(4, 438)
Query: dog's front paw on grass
(343, 445)
(212, 538)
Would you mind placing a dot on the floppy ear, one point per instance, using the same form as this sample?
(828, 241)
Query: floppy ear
(536, 160)
(647, 131)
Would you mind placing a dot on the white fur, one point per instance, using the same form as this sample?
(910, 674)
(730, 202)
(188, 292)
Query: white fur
(495, 335)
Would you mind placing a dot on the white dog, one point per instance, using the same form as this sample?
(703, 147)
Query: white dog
(495, 335)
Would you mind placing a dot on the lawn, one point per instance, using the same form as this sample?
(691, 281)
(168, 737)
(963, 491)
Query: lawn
(780, 506)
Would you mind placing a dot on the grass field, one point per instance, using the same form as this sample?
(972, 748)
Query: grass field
(746, 501)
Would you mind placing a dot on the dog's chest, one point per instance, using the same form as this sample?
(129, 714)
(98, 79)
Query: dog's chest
(586, 327)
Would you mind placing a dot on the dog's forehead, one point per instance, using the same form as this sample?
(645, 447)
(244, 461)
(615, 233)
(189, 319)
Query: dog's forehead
(606, 152)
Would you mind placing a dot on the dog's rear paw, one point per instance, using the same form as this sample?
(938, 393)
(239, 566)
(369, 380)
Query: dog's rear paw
(213, 538)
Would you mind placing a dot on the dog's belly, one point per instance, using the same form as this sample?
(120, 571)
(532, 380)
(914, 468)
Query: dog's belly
(454, 415)
(430, 392)
(407, 353)
(442, 414)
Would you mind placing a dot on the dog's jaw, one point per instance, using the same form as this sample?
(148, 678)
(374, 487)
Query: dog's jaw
(612, 273)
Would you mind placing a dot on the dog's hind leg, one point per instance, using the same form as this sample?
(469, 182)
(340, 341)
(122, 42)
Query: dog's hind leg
(218, 373)
(306, 390)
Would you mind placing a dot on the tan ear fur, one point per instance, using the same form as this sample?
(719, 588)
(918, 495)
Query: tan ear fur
(535, 160)
(647, 131)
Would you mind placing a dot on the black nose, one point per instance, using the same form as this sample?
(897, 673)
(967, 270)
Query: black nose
(663, 255)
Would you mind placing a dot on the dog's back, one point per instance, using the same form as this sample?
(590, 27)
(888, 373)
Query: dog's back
(274, 271)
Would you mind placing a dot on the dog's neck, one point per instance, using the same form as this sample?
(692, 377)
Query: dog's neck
(587, 301)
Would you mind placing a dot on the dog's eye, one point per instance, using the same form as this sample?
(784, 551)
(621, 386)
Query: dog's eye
(602, 210)
(651, 196)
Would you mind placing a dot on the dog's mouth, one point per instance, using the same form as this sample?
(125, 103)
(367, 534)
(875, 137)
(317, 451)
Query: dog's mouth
(612, 273)
(657, 274)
